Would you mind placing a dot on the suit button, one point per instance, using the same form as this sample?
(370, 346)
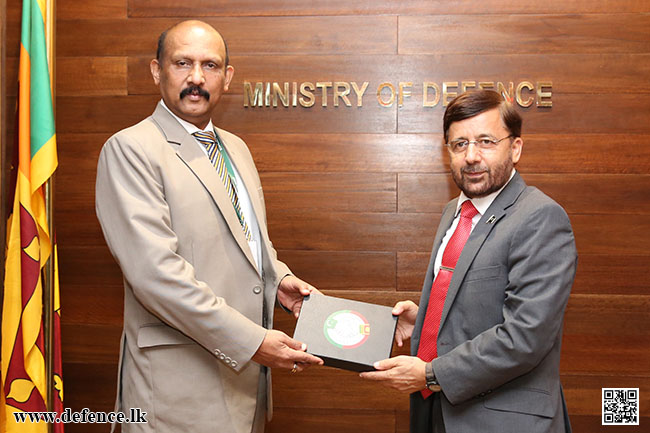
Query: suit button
(217, 351)
(257, 290)
(222, 356)
(482, 394)
(228, 359)
(233, 364)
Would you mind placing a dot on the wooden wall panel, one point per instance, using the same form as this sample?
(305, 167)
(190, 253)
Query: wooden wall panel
(101, 76)
(524, 34)
(429, 193)
(170, 8)
(328, 420)
(347, 270)
(354, 194)
(274, 35)
(90, 9)
(120, 112)
(569, 115)
(607, 73)
(330, 192)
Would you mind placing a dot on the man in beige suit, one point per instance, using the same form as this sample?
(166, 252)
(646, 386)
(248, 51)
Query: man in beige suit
(184, 217)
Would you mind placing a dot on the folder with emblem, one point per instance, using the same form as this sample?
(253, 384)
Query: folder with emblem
(346, 334)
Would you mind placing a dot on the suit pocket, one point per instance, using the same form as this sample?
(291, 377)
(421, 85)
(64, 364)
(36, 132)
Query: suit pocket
(160, 335)
(523, 400)
(486, 273)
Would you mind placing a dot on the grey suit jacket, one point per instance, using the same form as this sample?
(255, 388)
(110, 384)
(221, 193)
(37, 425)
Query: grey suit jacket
(501, 327)
(194, 301)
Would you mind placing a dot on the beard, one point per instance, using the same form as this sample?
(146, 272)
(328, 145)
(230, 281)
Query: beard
(493, 178)
(193, 89)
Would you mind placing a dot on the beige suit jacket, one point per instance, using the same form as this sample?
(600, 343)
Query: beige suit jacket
(194, 301)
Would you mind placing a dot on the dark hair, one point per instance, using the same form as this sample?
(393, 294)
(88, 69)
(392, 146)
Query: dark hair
(475, 102)
(160, 51)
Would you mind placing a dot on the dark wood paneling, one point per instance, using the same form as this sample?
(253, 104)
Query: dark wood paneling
(425, 192)
(595, 234)
(289, 420)
(347, 231)
(90, 9)
(594, 274)
(524, 34)
(354, 194)
(343, 270)
(424, 153)
(345, 389)
(171, 8)
(101, 114)
(601, 274)
(101, 76)
(86, 343)
(430, 192)
(81, 114)
(583, 393)
(584, 153)
(89, 267)
(91, 385)
(593, 424)
(594, 345)
(330, 192)
(411, 269)
(571, 113)
(273, 35)
(406, 232)
(590, 73)
(612, 234)
(346, 152)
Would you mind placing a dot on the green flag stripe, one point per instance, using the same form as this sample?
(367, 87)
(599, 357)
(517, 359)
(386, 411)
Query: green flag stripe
(33, 39)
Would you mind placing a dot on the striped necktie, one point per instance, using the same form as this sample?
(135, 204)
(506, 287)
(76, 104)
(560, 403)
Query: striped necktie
(428, 347)
(220, 160)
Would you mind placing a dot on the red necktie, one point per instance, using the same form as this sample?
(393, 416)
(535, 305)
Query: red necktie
(428, 350)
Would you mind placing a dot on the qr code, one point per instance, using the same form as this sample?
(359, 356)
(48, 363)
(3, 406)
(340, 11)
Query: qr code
(620, 406)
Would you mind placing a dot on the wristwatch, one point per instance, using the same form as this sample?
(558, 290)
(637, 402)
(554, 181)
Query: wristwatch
(432, 383)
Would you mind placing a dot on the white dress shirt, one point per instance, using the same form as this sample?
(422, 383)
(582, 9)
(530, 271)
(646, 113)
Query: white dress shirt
(481, 204)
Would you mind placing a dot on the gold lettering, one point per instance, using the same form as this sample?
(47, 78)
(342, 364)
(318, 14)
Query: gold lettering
(529, 101)
(403, 92)
(544, 97)
(267, 95)
(446, 94)
(391, 100)
(359, 92)
(309, 102)
(294, 95)
(465, 84)
(284, 96)
(251, 97)
(341, 94)
(508, 94)
(486, 84)
(425, 92)
(323, 85)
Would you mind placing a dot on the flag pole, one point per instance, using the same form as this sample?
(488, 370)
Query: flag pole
(48, 280)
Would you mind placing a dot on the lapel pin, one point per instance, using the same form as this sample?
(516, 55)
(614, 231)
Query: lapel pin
(491, 220)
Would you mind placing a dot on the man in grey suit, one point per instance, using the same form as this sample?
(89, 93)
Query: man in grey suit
(486, 338)
(181, 207)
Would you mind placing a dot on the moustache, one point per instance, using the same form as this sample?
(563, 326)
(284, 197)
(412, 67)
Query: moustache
(195, 90)
(474, 169)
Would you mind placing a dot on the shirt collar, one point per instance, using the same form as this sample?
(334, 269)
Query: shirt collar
(189, 127)
(482, 203)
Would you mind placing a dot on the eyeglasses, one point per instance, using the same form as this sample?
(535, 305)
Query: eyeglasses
(485, 143)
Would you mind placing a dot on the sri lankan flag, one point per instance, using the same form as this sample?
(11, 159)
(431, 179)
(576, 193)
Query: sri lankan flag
(29, 243)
